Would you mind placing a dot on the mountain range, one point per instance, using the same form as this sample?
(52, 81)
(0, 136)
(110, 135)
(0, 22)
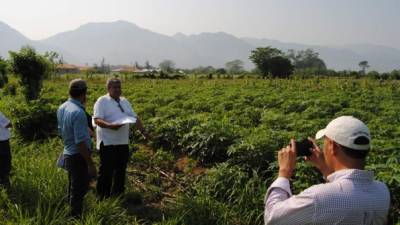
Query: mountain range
(123, 42)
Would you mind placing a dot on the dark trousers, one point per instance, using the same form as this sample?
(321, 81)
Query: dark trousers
(5, 163)
(113, 162)
(78, 182)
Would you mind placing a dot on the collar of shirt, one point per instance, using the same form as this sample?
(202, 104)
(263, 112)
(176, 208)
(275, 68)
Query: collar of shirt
(353, 174)
(109, 97)
(121, 101)
(76, 102)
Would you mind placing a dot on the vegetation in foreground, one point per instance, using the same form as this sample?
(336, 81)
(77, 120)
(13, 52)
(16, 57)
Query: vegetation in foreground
(213, 153)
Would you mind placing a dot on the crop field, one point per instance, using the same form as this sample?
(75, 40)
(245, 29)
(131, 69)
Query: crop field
(213, 150)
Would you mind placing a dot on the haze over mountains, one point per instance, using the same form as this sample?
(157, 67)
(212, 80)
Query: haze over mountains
(122, 42)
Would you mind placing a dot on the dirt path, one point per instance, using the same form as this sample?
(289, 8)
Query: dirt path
(155, 183)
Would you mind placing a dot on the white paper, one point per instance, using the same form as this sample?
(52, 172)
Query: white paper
(125, 120)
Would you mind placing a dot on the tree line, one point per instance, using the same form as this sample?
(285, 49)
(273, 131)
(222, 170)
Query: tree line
(32, 67)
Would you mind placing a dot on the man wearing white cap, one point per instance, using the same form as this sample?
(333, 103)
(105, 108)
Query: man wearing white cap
(350, 196)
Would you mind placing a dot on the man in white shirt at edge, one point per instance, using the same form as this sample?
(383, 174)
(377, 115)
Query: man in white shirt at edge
(113, 139)
(350, 196)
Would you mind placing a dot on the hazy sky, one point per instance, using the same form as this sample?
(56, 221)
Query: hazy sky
(324, 22)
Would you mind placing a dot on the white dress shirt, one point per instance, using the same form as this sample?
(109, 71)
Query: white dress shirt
(4, 132)
(107, 108)
(351, 197)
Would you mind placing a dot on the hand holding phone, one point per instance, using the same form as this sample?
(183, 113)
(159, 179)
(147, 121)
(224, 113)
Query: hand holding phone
(304, 147)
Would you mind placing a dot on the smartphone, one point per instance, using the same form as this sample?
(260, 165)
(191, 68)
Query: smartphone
(304, 147)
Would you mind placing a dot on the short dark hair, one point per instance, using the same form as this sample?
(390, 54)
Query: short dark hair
(356, 154)
(112, 81)
(77, 88)
(77, 92)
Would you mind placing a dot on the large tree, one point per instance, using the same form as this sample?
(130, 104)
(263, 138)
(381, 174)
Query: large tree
(148, 66)
(138, 66)
(306, 59)
(364, 66)
(31, 68)
(167, 66)
(261, 57)
(234, 67)
(203, 70)
(54, 59)
(280, 66)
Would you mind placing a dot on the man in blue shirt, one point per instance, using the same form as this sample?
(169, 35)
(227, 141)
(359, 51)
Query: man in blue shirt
(73, 128)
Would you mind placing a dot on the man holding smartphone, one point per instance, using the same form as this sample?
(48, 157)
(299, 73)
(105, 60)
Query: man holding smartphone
(350, 196)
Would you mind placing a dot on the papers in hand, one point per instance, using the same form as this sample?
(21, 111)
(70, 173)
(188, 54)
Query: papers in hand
(125, 120)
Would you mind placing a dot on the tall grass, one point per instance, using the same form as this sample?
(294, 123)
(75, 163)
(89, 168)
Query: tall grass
(38, 191)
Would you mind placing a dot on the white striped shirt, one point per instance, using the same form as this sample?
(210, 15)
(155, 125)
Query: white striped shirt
(351, 197)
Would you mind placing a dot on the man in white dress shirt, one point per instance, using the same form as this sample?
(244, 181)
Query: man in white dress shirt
(113, 139)
(350, 196)
(5, 152)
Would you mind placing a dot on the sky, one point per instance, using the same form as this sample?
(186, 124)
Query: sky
(315, 22)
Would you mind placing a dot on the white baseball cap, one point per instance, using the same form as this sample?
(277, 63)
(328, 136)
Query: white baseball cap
(345, 130)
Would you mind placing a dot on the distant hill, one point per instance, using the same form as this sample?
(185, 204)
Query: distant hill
(216, 48)
(122, 42)
(10, 39)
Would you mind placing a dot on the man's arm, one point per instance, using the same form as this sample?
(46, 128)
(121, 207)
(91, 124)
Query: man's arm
(279, 191)
(98, 115)
(83, 150)
(318, 160)
(139, 126)
(4, 122)
(280, 207)
(81, 138)
(104, 124)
